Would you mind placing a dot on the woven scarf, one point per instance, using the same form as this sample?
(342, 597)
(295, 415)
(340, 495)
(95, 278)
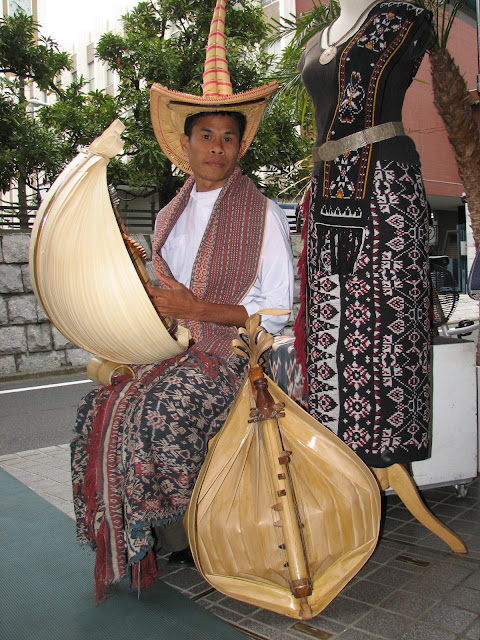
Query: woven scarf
(342, 188)
(228, 258)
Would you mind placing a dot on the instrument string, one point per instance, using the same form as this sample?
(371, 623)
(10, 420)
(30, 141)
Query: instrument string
(298, 516)
(138, 256)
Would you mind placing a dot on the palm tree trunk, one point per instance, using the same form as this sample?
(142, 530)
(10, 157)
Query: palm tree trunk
(453, 102)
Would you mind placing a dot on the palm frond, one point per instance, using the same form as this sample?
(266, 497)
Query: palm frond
(444, 14)
(299, 30)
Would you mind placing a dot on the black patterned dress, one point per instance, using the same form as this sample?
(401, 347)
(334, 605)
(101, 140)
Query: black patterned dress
(365, 318)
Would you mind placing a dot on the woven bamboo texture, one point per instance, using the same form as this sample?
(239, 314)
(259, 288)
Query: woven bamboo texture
(283, 513)
(81, 270)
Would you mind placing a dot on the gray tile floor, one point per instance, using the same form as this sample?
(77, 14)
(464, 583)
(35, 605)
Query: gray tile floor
(412, 588)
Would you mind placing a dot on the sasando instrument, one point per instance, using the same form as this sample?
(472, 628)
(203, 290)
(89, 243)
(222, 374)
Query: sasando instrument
(283, 513)
(81, 270)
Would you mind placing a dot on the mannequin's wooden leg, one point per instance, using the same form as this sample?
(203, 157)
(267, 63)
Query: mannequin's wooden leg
(398, 478)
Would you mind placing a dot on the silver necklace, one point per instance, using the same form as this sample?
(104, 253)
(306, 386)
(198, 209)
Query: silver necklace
(330, 52)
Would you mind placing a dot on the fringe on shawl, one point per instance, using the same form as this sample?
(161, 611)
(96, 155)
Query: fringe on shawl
(141, 572)
(91, 491)
(299, 326)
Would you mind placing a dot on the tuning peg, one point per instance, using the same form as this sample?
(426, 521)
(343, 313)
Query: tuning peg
(284, 457)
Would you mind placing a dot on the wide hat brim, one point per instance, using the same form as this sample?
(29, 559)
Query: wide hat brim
(169, 110)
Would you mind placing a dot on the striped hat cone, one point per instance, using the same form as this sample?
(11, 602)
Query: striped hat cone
(169, 109)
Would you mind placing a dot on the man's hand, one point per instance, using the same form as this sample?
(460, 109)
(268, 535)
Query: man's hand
(176, 301)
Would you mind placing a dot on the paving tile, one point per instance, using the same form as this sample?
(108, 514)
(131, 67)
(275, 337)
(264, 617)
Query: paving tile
(412, 605)
(450, 570)
(304, 629)
(355, 634)
(400, 513)
(225, 614)
(211, 598)
(60, 491)
(430, 541)
(391, 525)
(386, 550)
(20, 463)
(415, 566)
(423, 632)
(413, 530)
(272, 619)
(324, 624)
(7, 457)
(51, 473)
(384, 623)
(431, 588)
(464, 598)
(391, 576)
(464, 503)
(184, 579)
(293, 635)
(472, 514)
(68, 511)
(446, 512)
(37, 466)
(462, 526)
(345, 610)
(473, 632)
(28, 453)
(368, 591)
(473, 581)
(449, 618)
(436, 495)
(473, 546)
(244, 608)
(63, 465)
(26, 477)
(259, 628)
(47, 449)
(47, 493)
(369, 567)
(200, 588)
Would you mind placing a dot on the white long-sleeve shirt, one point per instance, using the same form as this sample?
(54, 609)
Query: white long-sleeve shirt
(273, 287)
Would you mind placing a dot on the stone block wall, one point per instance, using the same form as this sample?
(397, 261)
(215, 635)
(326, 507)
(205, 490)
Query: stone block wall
(29, 342)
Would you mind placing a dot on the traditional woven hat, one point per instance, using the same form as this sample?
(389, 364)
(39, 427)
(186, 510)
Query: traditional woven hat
(169, 109)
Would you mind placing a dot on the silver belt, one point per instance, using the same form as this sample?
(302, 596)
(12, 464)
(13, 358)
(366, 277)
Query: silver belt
(334, 148)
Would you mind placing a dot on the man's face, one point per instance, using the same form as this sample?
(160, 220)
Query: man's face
(212, 150)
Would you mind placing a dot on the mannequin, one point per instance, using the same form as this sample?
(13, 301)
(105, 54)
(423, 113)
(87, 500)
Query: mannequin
(364, 319)
(365, 322)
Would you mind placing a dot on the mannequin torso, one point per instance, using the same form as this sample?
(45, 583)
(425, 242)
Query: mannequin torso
(360, 218)
(352, 14)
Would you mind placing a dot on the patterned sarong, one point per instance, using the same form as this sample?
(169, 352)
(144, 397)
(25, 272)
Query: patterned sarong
(138, 449)
(368, 342)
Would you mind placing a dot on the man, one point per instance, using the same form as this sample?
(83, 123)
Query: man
(212, 142)
(221, 253)
(212, 145)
